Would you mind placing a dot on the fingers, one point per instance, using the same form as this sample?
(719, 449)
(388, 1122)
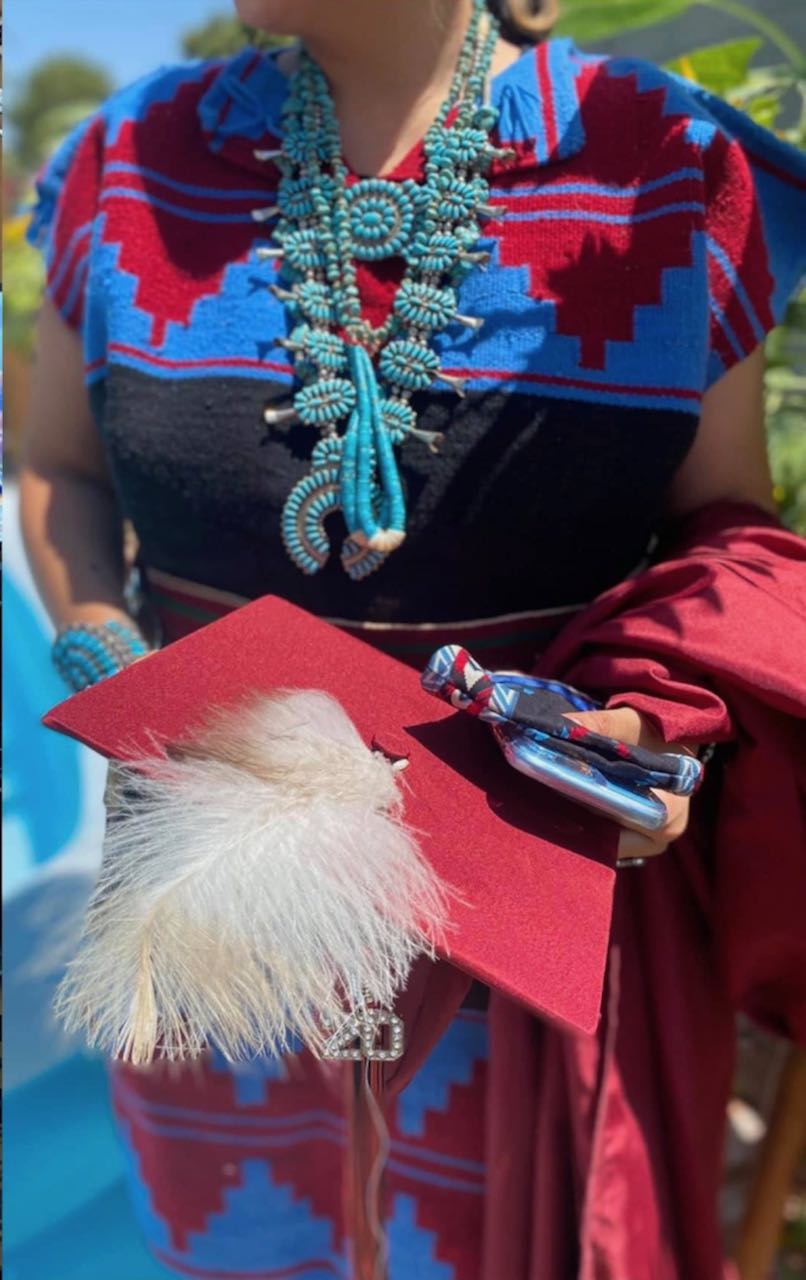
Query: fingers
(627, 725)
(635, 843)
(622, 723)
(639, 844)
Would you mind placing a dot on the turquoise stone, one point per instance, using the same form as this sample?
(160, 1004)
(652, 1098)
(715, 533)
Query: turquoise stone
(381, 218)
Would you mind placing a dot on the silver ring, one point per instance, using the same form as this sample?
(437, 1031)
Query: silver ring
(631, 862)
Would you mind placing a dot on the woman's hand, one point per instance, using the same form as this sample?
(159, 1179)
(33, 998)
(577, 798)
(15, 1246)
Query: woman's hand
(628, 726)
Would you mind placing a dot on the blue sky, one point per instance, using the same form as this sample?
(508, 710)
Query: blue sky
(129, 37)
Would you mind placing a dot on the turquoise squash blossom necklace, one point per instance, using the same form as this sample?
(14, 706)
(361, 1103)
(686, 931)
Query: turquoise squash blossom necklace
(356, 380)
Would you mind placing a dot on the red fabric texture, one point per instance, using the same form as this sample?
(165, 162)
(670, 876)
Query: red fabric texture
(738, 272)
(606, 1151)
(68, 262)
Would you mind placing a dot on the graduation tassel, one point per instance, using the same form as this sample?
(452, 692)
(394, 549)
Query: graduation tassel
(369, 1153)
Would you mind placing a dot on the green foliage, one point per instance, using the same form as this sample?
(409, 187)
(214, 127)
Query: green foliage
(223, 36)
(23, 280)
(52, 89)
(57, 95)
(760, 91)
(722, 68)
(786, 413)
(592, 20)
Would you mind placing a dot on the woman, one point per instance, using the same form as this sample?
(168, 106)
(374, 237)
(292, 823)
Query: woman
(630, 228)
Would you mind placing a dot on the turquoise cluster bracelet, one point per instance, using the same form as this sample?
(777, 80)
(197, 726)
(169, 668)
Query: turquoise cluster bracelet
(85, 652)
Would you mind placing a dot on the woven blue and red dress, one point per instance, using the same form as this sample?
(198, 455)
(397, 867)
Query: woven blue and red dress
(652, 236)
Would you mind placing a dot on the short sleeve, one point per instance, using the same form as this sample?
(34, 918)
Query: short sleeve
(755, 213)
(67, 193)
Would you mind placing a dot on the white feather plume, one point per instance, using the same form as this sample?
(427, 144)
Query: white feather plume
(251, 881)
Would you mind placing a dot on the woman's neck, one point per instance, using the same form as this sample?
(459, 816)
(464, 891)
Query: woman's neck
(389, 67)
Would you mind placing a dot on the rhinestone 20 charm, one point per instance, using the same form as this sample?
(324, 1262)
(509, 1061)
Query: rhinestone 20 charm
(361, 1037)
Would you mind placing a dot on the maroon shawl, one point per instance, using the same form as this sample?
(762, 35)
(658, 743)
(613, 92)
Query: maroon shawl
(605, 1152)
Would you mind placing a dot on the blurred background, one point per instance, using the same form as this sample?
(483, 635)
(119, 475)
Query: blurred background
(67, 1215)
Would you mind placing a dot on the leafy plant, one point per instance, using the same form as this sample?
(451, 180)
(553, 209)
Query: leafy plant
(22, 283)
(591, 20)
(722, 68)
(786, 414)
(760, 91)
(224, 35)
(55, 85)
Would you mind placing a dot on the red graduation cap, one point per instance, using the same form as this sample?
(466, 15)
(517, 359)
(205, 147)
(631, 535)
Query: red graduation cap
(535, 874)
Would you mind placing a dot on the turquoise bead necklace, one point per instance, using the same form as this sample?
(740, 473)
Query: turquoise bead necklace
(356, 380)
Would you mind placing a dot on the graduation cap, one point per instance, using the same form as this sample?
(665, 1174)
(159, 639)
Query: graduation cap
(524, 879)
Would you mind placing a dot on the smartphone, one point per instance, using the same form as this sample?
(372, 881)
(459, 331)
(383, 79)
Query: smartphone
(578, 780)
(451, 671)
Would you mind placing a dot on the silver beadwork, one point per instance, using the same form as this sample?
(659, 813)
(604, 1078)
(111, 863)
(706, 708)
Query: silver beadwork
(280, 417)
(470, 322)
(477, 257)
(434, 439)
(454, 380)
